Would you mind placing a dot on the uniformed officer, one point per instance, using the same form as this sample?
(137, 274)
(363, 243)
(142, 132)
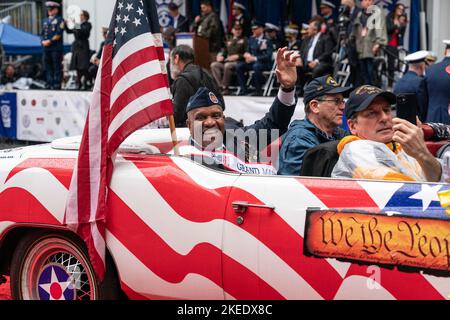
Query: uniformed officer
(413, 81)
(438, 87)
(52, 41)
(272, 32)
(326, 11)
(239, 17)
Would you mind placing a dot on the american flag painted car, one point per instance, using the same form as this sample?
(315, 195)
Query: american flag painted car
(179, 230)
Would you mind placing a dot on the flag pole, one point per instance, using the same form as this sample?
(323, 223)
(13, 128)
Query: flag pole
(173, 134)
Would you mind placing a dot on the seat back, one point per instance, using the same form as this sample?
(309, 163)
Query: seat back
(320, 160)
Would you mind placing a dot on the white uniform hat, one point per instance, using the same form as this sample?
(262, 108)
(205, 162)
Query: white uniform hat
(271, 26)
(417, 57)
(52, 4)
(239, 6)
(328, 4)
(290, 30)
(447, 43)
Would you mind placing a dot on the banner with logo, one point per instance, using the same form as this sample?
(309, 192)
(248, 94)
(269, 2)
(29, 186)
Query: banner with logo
(162, 6)
(48, 115)
(8, 108)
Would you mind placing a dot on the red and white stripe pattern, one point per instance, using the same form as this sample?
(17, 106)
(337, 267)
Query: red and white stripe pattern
(131, 90)
(184, 246)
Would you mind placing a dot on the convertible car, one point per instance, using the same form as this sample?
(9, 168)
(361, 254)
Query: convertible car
(179, 230)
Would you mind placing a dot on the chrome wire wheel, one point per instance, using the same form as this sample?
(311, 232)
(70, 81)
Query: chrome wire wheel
(53, 267)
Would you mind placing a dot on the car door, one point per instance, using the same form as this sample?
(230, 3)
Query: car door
(268, 236)
(165, 227)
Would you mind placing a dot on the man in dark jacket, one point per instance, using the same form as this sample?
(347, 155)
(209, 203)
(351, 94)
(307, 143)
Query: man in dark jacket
(81, 54)
(414, 81)
(179, 22)
(324, 108)
(228, 149)
(188, 77)
(258, 58)
(438, 87)
(209, 26)
(316, 52)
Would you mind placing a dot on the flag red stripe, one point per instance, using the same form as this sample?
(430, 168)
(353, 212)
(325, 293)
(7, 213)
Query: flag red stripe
(135, 60)
(139, 89)
(138, 120)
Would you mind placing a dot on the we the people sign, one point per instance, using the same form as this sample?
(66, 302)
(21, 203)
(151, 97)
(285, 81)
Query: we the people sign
(377, 238)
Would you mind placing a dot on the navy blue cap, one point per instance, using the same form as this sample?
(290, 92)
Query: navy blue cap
(204, 97)
(321, 86)
(361, 98)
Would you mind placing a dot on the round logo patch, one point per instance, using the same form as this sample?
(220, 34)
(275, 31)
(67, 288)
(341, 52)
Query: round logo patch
(24, 102)
(213, 98)
(26, 121)
(448, 69)
(55, 284)
(33, 103)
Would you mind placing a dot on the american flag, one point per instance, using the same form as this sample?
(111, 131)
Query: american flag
(131, 90)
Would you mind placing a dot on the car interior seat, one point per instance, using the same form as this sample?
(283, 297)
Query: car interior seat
(320, 160)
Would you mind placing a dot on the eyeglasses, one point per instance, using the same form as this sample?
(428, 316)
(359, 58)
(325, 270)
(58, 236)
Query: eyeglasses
(336, 101)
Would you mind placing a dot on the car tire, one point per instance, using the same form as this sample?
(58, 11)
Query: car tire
(55, 266)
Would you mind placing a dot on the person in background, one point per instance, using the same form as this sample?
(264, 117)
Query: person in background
(188, 78)
(272, 33)
(326, 11)
(179, 22)
(316, 52)
(369, 39)
(396, 28)
(438, 88)
(81, 53)
(258, 58)
(238, 13)
(413, 81)
(93, 68)
(52, 41)
(324, 109)
(228, 58)
(209, 26)
(9, 75)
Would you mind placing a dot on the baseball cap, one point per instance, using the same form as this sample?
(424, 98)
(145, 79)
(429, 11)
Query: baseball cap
(361, 98)
(321, 86)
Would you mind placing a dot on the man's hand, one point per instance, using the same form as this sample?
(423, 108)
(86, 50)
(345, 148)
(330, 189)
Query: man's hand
(376, 49)
(313, 64)
(250, 58)
(286, 67)
(197, 19)
(412, 140)
(46, 43)
(233, 58)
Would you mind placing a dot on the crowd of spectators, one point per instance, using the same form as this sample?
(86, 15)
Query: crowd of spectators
(323, 43)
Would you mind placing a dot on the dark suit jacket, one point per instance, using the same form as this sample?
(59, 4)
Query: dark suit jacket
(263, 51)
(438, 87)
(183, 24)
(322, 52)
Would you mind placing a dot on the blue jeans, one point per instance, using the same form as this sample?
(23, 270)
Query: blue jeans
(366, 69)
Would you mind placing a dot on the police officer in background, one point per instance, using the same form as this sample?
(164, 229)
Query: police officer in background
(438, 87)
(414, 81)
(52, 41)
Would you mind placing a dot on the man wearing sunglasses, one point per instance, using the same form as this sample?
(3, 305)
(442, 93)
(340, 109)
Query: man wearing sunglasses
(324, 109)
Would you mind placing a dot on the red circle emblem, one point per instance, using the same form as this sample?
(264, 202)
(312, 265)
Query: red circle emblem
(448, 69)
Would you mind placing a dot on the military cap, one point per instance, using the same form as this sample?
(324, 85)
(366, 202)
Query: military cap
(239, 6)
(328, 4)
(204, 97)
(52, 4)
(257, 24)
(417, 57)
(271, 27)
